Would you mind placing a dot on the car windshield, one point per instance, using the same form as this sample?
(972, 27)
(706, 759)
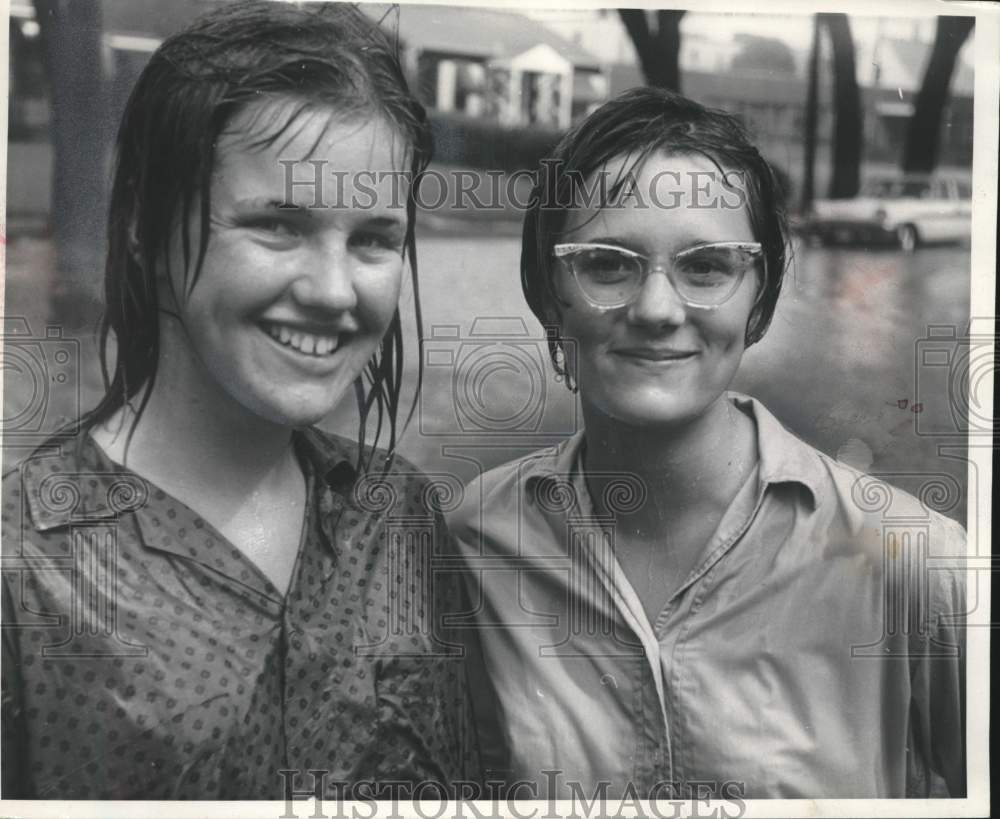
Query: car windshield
(896, 189)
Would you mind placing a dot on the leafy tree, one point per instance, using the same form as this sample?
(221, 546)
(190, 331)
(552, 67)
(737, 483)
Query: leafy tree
(659, 50)
(923, 138)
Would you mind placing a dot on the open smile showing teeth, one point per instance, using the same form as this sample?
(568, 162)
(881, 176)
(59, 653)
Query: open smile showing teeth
(307, 343)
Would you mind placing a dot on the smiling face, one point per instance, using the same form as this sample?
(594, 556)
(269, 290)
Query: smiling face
(657, 361)
(293, 297)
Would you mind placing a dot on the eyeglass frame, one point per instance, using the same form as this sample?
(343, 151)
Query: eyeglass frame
(756, 250)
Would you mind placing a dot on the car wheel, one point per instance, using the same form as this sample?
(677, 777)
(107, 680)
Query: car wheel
(906, 236)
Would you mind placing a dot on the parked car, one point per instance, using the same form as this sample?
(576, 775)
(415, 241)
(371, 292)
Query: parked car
(908, 210)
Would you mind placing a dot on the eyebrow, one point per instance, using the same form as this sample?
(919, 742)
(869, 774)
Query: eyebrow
(265, 203)
(385, 222)
(269, 203)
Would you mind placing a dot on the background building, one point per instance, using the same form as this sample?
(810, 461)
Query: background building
(840, 364)
(501, 85)
(497, 65)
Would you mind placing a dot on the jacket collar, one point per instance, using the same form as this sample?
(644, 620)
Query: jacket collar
(784, 458)
(76, 483)
(332, 458)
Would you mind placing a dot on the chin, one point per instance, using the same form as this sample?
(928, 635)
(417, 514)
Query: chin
(303, 418)
(295, 418)
(292, 409)
(652, 410)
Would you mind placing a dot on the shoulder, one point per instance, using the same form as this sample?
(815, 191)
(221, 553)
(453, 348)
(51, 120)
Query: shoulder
(873, 500)
(910, 547)
(46, 483)
(48, 489)
(57, 454)
(852, 504)
(494, 502)
(516, 473)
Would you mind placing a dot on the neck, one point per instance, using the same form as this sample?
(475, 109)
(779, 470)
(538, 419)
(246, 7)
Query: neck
(699, 464)
(193, 434)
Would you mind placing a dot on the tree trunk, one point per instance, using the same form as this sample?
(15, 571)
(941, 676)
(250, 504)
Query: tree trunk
(811, 119)
(71, 37)
(923, 138)
(659, 52)
(846, 173)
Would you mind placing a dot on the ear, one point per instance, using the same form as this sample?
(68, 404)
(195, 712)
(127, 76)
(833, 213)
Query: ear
(752, 334)
(555, 297)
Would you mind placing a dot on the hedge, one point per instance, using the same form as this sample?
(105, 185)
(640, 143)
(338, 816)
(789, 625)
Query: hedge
(476, 143)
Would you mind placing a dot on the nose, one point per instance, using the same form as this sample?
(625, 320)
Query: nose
(657, 303)
(327, 278)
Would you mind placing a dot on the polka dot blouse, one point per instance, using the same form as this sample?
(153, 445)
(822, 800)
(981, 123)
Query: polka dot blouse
(145, 657)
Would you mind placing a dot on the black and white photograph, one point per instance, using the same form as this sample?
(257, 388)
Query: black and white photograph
(526, 410)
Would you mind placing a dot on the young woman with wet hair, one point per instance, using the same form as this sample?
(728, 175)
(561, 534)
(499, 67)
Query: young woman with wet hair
(697, 602)
(211, 599)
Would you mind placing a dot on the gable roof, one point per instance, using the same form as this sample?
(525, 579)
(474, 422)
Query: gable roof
(463, 31)
(477, 32)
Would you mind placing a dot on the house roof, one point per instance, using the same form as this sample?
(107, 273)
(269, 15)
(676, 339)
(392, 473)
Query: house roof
(478, 32)
(458, 30)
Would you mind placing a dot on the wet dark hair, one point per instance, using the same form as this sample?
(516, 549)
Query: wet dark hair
(635, 125)
(323, 55)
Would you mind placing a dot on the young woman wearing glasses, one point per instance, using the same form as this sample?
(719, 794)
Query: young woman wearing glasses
(684, 598)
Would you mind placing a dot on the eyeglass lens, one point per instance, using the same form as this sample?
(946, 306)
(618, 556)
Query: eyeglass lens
(702, 275)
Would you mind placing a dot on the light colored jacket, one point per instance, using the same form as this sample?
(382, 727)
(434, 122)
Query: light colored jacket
(816, 651)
